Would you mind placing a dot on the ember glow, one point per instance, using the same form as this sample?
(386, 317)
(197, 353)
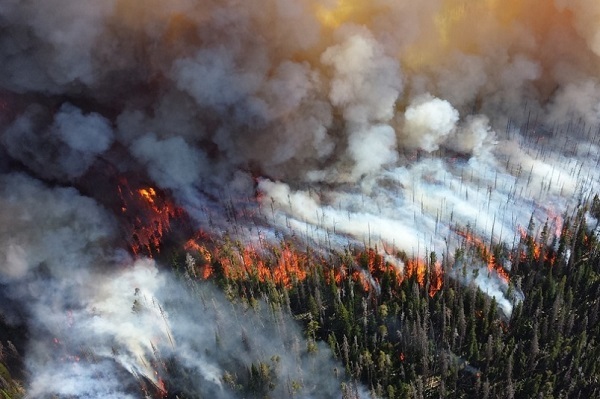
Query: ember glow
(539, 250)
(485, 254)
(147, 216)
(400, 132)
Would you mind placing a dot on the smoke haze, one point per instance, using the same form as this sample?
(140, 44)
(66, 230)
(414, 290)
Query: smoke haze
(385, 123)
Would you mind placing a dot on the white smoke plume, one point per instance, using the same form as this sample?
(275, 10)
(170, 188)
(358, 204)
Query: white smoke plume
(427, 122)
(386, 123)
(98, 321)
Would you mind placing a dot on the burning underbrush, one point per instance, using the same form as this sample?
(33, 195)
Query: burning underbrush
(281, 263)
(285, 265)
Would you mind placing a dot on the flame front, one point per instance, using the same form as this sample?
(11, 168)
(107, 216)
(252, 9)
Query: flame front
(289, 266)
(536, 250)
(486, 255)
(286, 266)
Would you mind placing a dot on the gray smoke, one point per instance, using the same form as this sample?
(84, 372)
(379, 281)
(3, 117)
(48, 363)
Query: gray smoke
(98, 320)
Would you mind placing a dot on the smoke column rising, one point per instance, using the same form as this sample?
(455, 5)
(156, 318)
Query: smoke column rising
(384, 122)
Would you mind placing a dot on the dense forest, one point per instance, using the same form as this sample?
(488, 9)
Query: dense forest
(403, 340)
(417, 333)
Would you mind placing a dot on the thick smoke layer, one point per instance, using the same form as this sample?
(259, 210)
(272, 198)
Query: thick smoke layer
(393, 124)
(99, 322)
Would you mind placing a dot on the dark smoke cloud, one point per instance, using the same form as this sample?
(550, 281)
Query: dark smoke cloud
(385, 122)
(65, 148)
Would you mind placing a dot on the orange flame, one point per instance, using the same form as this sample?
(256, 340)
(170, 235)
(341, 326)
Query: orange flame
(360, 277)
(286, 266)
(437, 279)
(485, 254)
(416, 268)
(149, 214)
(338, 274)
(148, 194)
(537, 249)
(205, 264)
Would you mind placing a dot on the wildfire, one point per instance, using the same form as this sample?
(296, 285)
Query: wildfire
(149, 194)
(485, 254)
(377, 266)
(285, 266)
(416, 268)
(536, 250)
(205, 262)
(437, 279)
(149, 214)
(338, 274)
(290, 266)
(360, 277)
